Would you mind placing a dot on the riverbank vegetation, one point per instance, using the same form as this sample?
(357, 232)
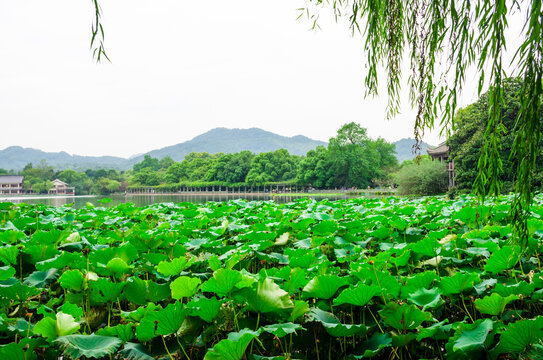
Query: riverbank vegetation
(351, 160)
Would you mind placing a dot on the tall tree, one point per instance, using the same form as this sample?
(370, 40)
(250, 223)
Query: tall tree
(355, 159)
(467, 141)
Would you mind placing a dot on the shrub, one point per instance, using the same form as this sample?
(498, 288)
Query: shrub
(425, 177)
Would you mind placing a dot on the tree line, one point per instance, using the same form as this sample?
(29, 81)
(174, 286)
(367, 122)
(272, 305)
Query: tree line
(351, 159)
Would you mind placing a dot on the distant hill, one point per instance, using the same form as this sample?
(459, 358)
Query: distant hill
(214, 141)
(235, 140)
(16, 157)
(404, 149)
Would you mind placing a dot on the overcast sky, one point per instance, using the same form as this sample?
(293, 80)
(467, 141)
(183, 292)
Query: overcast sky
(179, 68)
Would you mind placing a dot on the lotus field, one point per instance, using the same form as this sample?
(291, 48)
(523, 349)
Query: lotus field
(385, 278)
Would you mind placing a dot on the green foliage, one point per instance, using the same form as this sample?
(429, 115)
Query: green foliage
(422, 177)
(88, 346)
(468, 139)
(355, 278)
(274, 166)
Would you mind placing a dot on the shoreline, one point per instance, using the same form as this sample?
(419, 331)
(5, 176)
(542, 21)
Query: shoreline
(37, 197)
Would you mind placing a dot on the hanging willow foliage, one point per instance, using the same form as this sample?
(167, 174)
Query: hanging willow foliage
(97, 39)
(444, 40)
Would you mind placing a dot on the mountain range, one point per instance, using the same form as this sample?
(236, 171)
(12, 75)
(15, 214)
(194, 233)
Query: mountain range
(214, 141)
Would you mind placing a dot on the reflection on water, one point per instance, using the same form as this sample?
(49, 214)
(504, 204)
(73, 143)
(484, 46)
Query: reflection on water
(143, 200)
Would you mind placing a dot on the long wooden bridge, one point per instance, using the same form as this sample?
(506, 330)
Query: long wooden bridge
(258, 191)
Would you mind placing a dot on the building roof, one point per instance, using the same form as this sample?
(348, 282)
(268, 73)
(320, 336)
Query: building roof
(58, 182)
(438, 150)
(11, 179)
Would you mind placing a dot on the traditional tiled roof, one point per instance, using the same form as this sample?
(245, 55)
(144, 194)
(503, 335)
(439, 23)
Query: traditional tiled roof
(438, 150)
(11, 179)
(58, 182)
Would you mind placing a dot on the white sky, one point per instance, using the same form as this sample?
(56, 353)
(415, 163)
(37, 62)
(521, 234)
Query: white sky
(179, 68)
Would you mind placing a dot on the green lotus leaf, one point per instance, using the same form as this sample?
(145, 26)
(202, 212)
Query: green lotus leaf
(41, 278)
(333, 326)
(138, 314)
(40, 252)
(141, 292)
(467, 215)
(359, 295)
(417, 281)
(19, 350)
(135, 291)
(458, 283)
(428, 299)
(157, 292)
(9, 254)
(134, 351)
(402, 339)
(184, 286)
(21, 326)
(438, 331)
(389, 285)
(520, 288)
(469, 339)
(280, 330)
(122, 331)
(404, 317)
(6, 272)
(303, 261)
(88, 346)
(484, 285)
(296, 281)
(73, 260)
(266, 296)
(206, 309)
(223, 282)
(71, 309)
(518, 336)
(428, 247)
(232, 348)
(325, 227)
(398, 223)
(300, 308)
(118, 266)
(324, 286)
(373, 345)
(162, 322)
(503, 259)
(63, 324)
(494, 304)
(72, 280)
(302, 224)
(174, 267)
(381, 233)
(12, 289)
(104, 290)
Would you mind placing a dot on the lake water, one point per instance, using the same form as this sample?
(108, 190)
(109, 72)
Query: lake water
(143, 200)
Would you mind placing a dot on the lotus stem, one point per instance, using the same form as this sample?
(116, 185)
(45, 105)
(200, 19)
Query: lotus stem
(166, 347)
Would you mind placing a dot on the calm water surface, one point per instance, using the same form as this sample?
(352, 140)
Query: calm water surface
(143, 200)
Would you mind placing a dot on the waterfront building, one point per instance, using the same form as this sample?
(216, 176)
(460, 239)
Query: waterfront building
(61, 188)
(441, 153)
(11, 184)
